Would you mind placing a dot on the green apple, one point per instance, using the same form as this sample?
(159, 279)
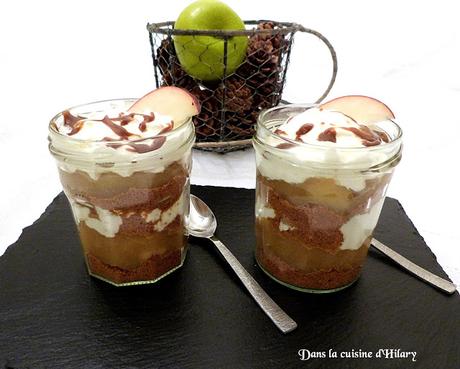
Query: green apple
(202, 57)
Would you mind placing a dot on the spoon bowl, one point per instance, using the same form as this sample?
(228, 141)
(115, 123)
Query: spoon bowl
(202, 221)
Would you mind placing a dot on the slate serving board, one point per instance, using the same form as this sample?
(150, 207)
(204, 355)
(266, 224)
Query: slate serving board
(53, 315)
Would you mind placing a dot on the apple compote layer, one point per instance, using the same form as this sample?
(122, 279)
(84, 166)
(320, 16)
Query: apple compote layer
(132, 228)
(316, 234)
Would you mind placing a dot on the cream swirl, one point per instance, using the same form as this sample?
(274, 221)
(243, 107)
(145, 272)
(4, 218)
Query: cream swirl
(104, 137)
(316, 142)
(100, 127)
(329, 128)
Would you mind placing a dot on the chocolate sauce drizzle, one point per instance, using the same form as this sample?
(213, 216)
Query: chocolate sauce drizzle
(303, 130)
(139, 148)
(329, 134)
(367, 135)
(147, 119)
(383, 136)
(168, 128)
(76, 123)
(284, 145)
(124, 119)
(157, 142)
(118, 130)
(70, 120)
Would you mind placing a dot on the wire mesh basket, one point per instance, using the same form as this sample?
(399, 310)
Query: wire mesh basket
(231, 102)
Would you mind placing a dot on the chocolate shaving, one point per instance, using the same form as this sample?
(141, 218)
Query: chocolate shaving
(328, 135)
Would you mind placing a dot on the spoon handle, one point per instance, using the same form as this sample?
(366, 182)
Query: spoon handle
(424, 274)
(284, 323)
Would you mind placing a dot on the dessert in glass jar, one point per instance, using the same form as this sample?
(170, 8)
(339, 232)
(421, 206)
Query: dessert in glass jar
(124, 166)
(322, 174)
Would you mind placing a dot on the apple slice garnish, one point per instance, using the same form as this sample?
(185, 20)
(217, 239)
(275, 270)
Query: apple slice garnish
(175, 102)
(362, 109)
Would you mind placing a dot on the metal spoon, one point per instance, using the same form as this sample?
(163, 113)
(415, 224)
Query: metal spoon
(203, 224)
(434, 280)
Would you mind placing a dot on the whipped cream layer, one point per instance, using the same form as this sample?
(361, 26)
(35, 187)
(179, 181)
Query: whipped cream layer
(322, 143)
(98, 126)
(360, 227)
(108, 223)
(105, 137)
(329, 128)
(355, 231)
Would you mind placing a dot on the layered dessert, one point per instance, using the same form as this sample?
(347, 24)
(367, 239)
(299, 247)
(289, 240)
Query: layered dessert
(322, 174)
(125, 166)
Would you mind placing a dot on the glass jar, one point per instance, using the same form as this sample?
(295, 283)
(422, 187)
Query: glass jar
(130, 204)
(317, 205)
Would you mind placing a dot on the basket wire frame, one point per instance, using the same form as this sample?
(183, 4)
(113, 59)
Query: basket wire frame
(231, 104)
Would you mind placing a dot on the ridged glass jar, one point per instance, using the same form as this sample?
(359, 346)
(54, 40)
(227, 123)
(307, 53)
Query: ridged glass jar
(129, 199)
(317, 205)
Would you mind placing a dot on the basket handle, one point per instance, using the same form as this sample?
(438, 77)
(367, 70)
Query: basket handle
(333, 55)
